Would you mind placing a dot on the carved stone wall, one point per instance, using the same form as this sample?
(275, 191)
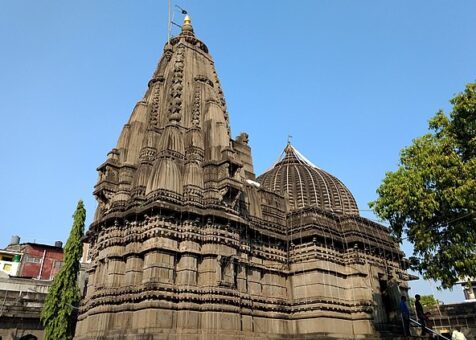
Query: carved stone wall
(187, 244)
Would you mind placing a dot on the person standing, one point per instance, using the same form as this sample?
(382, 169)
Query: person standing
(405, 315)
(457, 335)
(420, 314)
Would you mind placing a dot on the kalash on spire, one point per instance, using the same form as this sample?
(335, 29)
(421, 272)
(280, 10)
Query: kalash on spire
(187, 243)
(187, 24)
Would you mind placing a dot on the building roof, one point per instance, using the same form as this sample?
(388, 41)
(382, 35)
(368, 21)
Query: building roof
(42, 245)
(306, 185)
(9, 252)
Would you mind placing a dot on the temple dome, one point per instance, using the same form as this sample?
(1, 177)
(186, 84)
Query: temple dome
(305, 185)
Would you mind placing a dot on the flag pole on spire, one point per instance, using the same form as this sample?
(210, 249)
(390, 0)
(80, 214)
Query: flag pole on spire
(169, 22)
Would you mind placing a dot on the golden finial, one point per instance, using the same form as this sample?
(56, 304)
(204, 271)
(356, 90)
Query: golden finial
(187, 20)
(187, 25)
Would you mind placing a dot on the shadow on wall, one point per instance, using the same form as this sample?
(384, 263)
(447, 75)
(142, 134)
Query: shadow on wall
(28, 337)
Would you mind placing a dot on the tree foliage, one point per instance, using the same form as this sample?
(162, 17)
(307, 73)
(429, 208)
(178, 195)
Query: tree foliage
(427, 301)
(431, 198)
(64, 295)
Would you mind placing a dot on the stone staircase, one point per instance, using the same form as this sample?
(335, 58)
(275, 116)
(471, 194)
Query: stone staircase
(388, 332)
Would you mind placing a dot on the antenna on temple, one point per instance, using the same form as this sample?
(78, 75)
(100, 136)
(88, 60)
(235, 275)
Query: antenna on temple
(290, 138)
(187, 20)
(184, 12)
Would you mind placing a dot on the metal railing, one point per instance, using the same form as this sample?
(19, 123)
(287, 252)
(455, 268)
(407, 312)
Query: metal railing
(429, 330)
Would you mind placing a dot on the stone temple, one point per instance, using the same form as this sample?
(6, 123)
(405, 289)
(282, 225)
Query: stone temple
(187, 243)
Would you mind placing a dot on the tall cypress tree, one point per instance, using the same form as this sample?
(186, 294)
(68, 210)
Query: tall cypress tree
(64, 295)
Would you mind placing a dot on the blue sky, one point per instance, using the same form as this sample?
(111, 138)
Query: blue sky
(352, 81)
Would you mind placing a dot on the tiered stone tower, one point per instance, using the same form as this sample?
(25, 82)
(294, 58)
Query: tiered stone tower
(188, 244)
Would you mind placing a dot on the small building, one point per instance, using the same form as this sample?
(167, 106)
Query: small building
(446, 318)
(10, 262)
(41, 261)
(469, 288)
(22, 300)
(26, 273)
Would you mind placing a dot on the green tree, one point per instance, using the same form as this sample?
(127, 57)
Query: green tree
(431, 198)
(64, 295)
(426, 301)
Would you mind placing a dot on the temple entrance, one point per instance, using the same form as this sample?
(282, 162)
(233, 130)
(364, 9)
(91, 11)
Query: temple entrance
(386, 301)
(382, 302)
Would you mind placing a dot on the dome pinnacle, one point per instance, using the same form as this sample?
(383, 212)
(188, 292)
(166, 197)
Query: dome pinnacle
(187, 24)
(288, 149)
(187, 20)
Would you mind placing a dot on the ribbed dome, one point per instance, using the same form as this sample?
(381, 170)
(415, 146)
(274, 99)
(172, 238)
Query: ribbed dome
(307, 186)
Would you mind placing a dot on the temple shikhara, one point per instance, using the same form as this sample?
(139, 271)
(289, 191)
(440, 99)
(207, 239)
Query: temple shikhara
(188, 243)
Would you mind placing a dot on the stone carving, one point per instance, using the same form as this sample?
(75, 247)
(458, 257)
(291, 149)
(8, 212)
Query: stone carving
(243, 138)
(196, 108)
(147, 154)
(203, 79)
(154, 112)
(175, 102)
(188, 243)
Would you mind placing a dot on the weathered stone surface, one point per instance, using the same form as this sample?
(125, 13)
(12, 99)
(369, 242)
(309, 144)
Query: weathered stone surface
(187, 244)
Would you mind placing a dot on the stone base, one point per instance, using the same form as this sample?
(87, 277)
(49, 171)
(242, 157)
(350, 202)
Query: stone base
(193, 325)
